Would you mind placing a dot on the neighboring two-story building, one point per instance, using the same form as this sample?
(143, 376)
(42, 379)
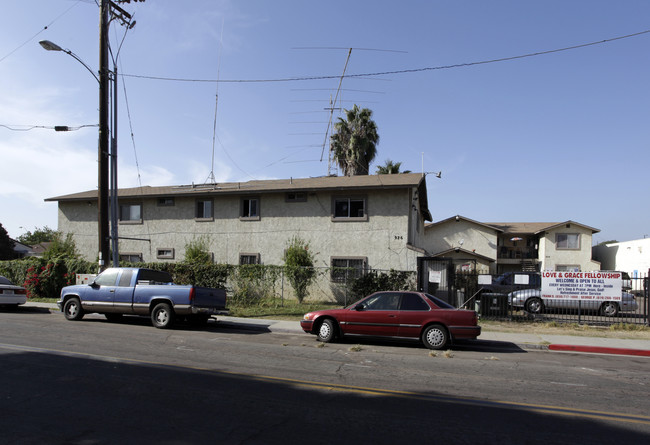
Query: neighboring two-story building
(502, 247)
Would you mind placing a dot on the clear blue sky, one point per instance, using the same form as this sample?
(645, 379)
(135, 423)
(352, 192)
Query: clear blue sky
(547, 138)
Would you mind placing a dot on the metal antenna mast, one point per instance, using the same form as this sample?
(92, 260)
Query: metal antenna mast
(211, 179)
(329, 123)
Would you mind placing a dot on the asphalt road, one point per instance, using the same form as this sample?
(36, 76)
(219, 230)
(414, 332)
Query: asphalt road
(95, 382)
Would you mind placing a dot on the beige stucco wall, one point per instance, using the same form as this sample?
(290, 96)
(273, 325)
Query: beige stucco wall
(552, 257)
(448, 235)
(382, 239)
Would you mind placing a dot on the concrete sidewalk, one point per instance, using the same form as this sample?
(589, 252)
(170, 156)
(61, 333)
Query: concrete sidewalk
(493, 340)
(489, 339)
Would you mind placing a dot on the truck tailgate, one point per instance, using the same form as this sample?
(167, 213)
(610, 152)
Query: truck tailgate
(208, 297)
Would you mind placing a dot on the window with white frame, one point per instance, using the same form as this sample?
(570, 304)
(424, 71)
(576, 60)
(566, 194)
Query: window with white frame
(349, 208)
(567, 268)
(204, 210)
(131, 213)
(250, 209)
(567, 241)
(165, 253)
(346, 269)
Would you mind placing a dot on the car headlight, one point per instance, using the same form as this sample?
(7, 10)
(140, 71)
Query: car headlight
(308, 316)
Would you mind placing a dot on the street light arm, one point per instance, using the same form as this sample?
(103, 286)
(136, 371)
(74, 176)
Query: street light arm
(51, 46)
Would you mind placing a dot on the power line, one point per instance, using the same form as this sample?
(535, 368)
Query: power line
(385, 73)
(44, 28)
(46, 127)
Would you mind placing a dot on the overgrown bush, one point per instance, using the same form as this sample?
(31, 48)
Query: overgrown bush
(299, 267)
(375, 281)
(252, 283)
(197, 251)
(43, 278)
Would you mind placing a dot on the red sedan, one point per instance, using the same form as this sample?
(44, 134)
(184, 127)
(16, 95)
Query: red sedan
(396, 314)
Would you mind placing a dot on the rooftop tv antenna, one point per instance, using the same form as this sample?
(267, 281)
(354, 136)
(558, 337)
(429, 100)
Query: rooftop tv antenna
(331, 108)
(211, 179)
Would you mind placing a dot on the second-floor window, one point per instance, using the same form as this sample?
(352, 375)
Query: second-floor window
(130, 213)
(349, 208)
(567, 241)
(250, 209)
(204, 209)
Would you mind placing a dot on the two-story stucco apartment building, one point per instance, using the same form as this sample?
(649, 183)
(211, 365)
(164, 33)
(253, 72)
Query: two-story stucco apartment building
(361, 221)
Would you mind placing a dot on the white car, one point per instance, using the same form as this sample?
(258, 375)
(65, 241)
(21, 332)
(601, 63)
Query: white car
(532, 301)
(11, 295)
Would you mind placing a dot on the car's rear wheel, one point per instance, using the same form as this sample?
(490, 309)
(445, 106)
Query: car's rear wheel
(609, 309)
(535, 305)
(327, 331)
(435, 337)
(72, 309)
(162, 316)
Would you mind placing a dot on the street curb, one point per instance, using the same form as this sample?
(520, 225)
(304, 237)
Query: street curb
(599, 350)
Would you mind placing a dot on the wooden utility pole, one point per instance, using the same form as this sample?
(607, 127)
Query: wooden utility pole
(103, 161)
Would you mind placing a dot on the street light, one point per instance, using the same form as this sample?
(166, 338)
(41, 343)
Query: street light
(51, 46)
(102, 201)
(108, 11)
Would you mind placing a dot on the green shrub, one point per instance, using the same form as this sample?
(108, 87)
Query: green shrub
(253, 283)
(375, 281)
(299, 267)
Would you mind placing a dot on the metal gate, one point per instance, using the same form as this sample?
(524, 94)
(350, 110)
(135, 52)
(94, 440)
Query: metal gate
(436, 277)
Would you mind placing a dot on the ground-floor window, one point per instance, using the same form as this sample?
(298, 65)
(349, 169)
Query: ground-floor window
(249, 258)
(344, 269)
(165, 253)
(131, 257)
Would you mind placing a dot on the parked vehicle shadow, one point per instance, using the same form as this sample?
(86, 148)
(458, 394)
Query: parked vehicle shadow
(459, 345)
(182, 324)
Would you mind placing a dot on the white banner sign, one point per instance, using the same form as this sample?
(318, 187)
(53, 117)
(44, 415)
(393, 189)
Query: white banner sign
(595, 286)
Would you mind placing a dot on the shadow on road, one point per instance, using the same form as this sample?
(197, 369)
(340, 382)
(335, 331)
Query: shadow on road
(61, 398)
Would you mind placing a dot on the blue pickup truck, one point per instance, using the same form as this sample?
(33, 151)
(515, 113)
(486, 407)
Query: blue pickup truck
(132, 291)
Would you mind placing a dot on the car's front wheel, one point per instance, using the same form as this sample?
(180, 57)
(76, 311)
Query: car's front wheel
(72, 309)
(162, 316)
(609, 309)
(327, 331)
(435, 337)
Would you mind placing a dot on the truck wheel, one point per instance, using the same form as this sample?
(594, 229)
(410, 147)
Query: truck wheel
(162, 316)
(72, 309)
(435, 337)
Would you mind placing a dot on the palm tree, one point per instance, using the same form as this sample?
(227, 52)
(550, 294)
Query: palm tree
(354, 141)
(390, 168)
